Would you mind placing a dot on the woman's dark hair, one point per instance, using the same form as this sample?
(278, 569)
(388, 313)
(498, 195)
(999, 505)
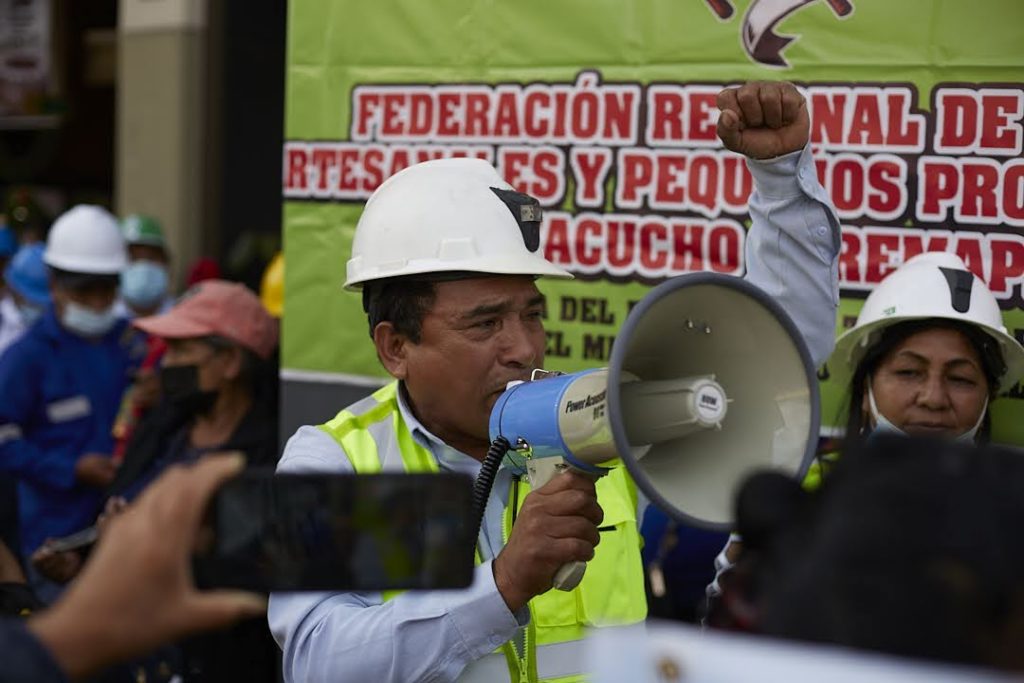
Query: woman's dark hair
(258, 376)
(992, 365)
(252, 365)
(911, 547)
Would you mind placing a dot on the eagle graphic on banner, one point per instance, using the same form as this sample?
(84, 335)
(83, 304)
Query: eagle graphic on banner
(758, 35)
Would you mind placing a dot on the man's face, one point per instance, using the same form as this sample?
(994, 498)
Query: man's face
(479, 335)
(96, 296)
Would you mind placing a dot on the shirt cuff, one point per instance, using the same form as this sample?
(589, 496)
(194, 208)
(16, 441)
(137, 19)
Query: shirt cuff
(482, 618)
(776, 178)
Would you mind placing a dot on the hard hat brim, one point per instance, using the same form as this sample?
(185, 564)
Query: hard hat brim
(535, 266)
(147, 242)
(79, 280)
(113, 266)
(852, 345)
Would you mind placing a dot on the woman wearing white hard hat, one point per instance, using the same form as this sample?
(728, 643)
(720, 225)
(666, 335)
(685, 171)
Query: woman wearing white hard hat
(928, 354)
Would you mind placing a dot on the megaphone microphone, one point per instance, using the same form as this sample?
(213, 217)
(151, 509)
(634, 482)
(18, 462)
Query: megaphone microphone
(709, 380)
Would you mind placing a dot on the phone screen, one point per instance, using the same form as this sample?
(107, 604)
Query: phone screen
(340, 532)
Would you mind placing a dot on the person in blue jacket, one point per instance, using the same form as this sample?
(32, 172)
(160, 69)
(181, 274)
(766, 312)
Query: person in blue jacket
(26, 297)
(61, 385)
(8, 245)
(27, 293)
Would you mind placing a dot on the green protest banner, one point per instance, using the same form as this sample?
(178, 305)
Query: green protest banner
(605, 111)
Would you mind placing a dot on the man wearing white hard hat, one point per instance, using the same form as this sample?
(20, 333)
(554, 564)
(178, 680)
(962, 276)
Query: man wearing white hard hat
(61, 383)
(446, 255)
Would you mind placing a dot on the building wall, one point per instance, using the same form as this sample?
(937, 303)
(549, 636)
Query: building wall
(161, 137)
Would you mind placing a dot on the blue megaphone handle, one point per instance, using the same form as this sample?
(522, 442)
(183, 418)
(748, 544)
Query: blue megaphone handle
(530, 411)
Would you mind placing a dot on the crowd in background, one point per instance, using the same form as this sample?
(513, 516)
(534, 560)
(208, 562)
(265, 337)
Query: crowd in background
(109, 378)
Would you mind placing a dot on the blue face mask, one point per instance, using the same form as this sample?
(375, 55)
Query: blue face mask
(29, 314)
(144, 284)
(884, 426)
(86, 322)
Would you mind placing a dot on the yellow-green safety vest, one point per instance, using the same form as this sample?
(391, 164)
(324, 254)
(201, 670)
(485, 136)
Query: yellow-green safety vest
(375, 438)
(819, 470)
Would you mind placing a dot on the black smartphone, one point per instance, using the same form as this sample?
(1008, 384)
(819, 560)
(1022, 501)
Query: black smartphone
(295, 532)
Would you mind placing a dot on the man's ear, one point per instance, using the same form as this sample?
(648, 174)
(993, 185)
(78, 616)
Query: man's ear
(392, 347)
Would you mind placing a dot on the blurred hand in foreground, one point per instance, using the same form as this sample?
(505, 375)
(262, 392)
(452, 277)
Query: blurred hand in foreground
(137, 591)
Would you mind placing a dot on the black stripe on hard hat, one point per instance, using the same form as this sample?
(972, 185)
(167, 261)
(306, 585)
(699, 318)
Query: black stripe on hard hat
(527, 212)
(960, 284)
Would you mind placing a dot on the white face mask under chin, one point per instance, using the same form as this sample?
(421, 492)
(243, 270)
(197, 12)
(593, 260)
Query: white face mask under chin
(884, 426)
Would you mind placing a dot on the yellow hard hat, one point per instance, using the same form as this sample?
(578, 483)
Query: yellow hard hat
(272, 286)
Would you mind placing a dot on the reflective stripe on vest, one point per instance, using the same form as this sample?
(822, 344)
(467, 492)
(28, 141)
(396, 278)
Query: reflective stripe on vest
(373, 426)
(556, 663)
(376, 439)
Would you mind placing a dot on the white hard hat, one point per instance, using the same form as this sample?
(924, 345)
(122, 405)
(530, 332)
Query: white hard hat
(86, 239)
(930, 285)
(447, 215)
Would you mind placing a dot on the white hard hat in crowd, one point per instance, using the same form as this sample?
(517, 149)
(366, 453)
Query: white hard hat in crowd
(930, 285)
(447, 215)
(86, 239)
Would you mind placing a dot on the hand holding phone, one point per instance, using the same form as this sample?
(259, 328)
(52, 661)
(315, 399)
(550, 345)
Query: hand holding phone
(136, 591)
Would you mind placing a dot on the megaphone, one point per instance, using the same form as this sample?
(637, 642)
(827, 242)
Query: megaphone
(709, 381)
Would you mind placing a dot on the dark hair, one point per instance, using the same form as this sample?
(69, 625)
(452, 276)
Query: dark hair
(405, 301)
(77, 281)
(988, 351)
(250, 370)
(400, 301)
(911, 547)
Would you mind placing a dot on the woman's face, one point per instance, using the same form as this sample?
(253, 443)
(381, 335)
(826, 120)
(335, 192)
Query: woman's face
(931, 384)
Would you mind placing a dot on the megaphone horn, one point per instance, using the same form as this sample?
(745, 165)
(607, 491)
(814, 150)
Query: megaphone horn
(709, 380)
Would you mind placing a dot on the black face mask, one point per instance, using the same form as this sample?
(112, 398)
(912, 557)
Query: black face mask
(180, 386)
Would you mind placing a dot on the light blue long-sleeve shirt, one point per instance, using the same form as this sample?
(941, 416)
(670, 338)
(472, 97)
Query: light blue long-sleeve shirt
(791, 253)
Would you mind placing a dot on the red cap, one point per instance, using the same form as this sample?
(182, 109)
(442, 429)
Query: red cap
(203, 269)
(217, 308)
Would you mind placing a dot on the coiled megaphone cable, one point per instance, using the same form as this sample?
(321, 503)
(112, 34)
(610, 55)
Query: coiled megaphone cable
(485, 480)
